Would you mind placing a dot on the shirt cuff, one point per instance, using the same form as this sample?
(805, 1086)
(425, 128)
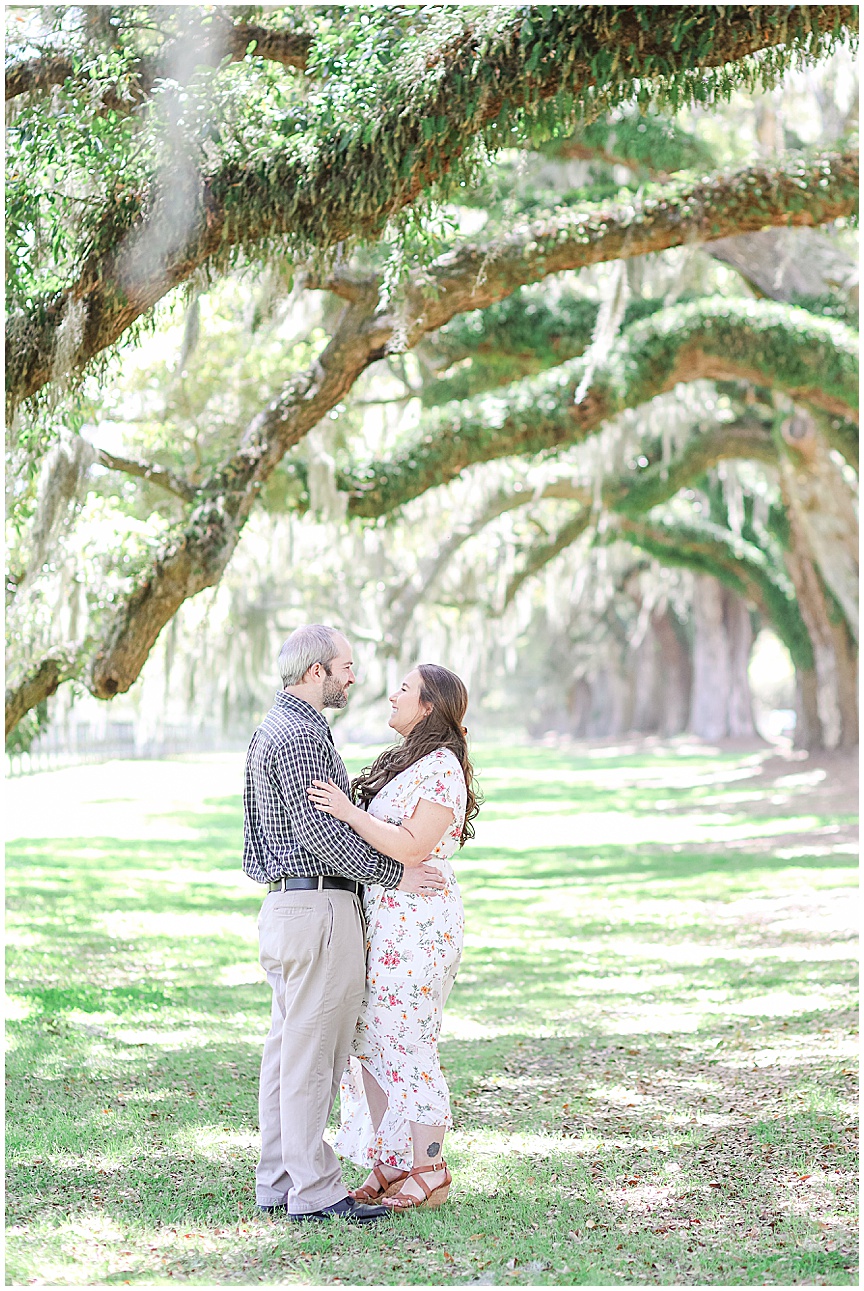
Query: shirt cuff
(389, 872)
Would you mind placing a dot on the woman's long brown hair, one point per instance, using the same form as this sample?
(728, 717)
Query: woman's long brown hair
(441, 729)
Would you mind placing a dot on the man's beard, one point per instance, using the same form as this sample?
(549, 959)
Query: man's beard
(333, 694)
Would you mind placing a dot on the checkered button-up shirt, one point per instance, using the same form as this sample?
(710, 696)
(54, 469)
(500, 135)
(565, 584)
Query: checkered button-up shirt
(284, 835)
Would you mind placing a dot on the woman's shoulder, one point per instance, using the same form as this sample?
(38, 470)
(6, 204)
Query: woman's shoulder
(439, 761)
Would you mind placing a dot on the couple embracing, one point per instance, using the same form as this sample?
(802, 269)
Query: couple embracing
(360, 935)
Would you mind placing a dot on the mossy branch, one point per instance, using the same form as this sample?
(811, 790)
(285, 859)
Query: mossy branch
(632, 493)
(814, 360)
(705, 548)
(345, 182)
(40, 681)
(542, 553)
(536, 418)
(799, 191)
(219, 40)
(159, 475)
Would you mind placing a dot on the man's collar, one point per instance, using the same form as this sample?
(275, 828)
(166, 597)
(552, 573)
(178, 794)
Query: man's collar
(302, 708)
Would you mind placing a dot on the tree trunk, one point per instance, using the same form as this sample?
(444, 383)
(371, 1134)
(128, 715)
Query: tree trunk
(675, 672)
(808, 724)
(610, 704)
(578, 706)
(739, 638)
(643, 674)
(660, 673)
(846, 656)
(828, 700)
(824, 509)
(721, 705)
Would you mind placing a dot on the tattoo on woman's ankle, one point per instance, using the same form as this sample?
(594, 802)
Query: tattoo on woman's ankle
(433, 1149)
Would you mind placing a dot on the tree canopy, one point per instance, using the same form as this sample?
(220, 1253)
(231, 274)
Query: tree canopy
(333, 160)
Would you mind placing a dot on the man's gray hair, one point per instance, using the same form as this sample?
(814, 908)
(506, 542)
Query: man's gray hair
(311, 644)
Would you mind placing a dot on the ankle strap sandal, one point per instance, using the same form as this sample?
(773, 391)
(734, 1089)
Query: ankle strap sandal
(385, 1186)
(435, 1196)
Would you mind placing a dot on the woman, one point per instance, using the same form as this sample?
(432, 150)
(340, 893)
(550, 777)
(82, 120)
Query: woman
(416, 800)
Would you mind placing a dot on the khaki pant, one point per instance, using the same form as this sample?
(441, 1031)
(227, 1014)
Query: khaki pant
(312, 951)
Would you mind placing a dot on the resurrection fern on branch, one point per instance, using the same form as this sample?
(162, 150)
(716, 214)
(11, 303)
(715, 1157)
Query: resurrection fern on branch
(341, 176)
(772, 345)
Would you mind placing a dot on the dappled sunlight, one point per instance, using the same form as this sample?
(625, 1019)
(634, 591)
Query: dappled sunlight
(244, 973)
(635, 1031)
(462, 1027)
(640, 1198)
(783, 1004)
(612, 829)
(119, 800)
(212, 1142)
(184, 929)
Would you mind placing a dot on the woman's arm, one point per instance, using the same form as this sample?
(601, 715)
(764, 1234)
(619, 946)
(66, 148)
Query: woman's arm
(411, 842)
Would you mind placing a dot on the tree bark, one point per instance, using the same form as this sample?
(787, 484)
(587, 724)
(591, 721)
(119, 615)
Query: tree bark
(642, 674)
(721, 705)
(39, 682)
(824, 508)
(827, 698)
(809, 733)
(846, 663)
(675, 672)
(788, 264)
(609, 715)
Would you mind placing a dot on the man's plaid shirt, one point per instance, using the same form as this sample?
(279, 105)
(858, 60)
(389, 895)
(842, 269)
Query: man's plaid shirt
(284, 835)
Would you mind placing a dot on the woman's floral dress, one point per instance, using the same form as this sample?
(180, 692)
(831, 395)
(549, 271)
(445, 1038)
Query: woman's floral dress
(413, 948)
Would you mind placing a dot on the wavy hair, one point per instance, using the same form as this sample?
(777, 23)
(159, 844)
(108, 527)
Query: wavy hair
(440, 729)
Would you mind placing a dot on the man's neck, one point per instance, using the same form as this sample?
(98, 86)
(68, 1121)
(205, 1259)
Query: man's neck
(308, 694)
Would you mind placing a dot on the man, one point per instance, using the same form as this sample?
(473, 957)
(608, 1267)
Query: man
(310, 927)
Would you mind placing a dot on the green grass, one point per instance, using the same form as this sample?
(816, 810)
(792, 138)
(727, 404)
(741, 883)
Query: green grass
(650, 1044)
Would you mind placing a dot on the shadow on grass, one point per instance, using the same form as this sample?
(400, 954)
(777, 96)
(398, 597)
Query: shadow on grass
(133, 1080)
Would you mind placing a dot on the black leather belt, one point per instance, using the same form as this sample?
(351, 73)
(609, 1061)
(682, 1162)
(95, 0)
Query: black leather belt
(315, 884)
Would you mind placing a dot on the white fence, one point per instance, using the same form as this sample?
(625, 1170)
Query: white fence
(81, 743)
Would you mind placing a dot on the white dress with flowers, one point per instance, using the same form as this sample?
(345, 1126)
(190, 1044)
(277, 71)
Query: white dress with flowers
(413, 948)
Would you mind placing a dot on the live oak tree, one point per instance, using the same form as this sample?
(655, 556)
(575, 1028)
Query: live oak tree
(156, 148)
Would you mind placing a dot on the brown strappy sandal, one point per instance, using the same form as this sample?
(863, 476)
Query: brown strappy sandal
(385, 1186)
(434, 1196)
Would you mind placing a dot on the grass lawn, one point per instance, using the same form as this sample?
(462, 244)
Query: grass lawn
(650, 1044)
